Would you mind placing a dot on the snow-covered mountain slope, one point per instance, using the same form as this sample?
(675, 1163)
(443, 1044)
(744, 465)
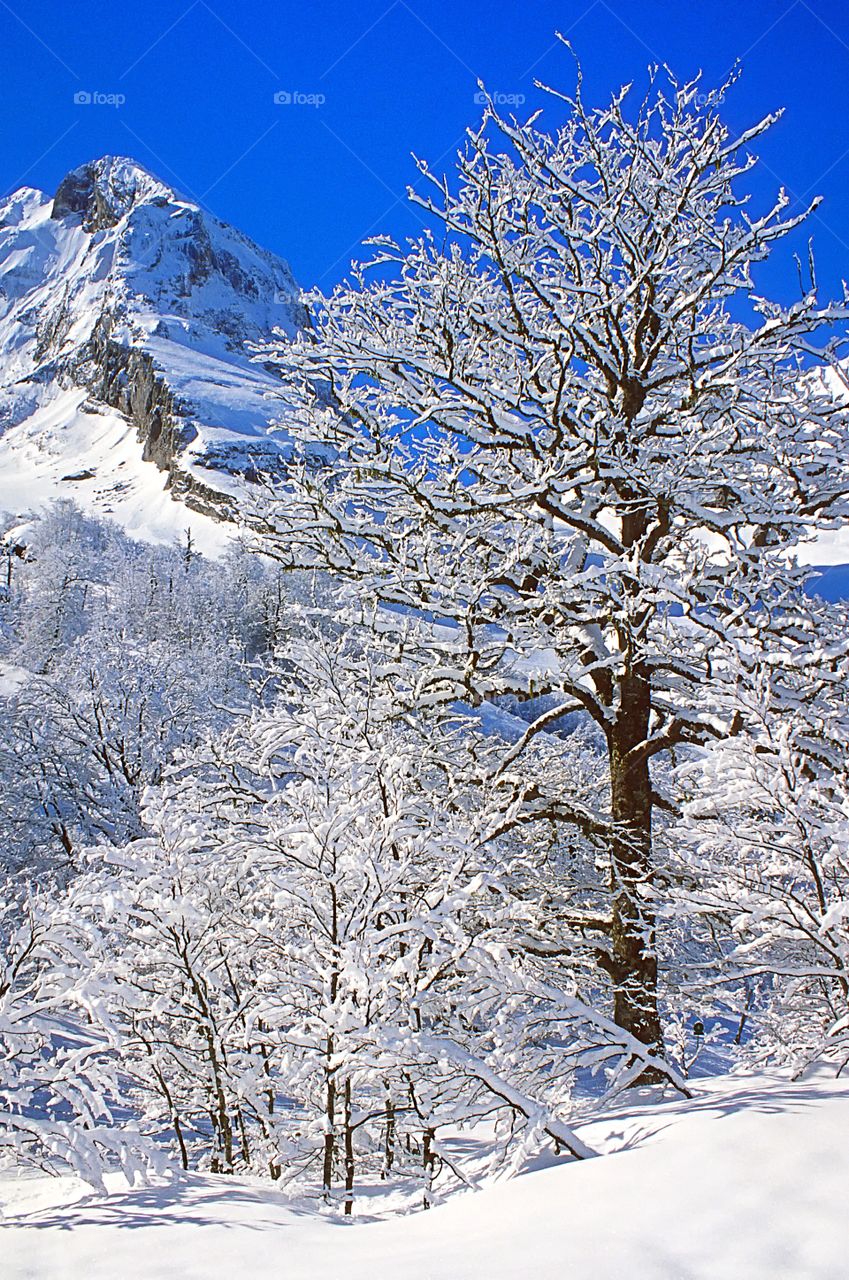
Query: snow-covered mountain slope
(125, 374)
(747, 1181)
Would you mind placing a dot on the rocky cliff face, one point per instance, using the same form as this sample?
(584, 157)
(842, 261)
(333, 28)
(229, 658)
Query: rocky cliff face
(126, 310)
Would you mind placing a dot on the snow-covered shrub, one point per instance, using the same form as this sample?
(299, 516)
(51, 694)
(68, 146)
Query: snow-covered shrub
(124, 653)
(61, 1095)
(765, 836)
(311, 951)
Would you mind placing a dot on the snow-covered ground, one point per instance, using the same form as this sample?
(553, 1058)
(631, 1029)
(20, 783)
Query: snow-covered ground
(745, 1182)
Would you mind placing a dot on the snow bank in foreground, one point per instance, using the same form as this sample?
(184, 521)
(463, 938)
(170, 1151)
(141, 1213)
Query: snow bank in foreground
(748, 1181)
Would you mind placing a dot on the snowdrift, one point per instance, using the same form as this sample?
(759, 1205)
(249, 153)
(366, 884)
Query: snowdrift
(747, 1181)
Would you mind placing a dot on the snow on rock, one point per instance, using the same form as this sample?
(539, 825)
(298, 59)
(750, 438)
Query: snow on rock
(745, 1182)
(126, 379)
(69, 449)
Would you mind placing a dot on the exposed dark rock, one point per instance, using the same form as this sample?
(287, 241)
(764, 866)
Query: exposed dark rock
(101, 192)
(80, 193)
(52, 329)
(126, 379)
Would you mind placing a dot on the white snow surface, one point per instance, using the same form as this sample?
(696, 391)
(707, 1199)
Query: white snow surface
(172, 281)
(747, 1181)
(67, 448)
(12, 679)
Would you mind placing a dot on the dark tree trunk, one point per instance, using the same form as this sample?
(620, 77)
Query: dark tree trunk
(634, 959)
(349, 1151)
(428, 1167)
(329, 1069)
(329, 1123)
(389, 1142)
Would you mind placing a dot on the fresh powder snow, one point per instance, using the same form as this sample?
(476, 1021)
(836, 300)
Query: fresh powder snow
(745, 1182)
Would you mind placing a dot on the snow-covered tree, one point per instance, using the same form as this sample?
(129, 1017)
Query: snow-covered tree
(67, 557)
(311, 951)
(182, 996)
(565, 430)
(61, 1096)
(117, 654)
(123, 653)
(764, 876)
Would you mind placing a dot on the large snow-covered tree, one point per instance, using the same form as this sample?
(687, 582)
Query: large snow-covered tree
(564, 430)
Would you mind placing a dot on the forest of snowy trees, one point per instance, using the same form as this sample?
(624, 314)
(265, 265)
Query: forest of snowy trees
(507, 742)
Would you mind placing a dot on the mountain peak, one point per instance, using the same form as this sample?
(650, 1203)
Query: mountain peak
(102, 191)
(128, 321)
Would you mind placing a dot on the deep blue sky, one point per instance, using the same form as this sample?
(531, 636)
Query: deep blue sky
(310, 182)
